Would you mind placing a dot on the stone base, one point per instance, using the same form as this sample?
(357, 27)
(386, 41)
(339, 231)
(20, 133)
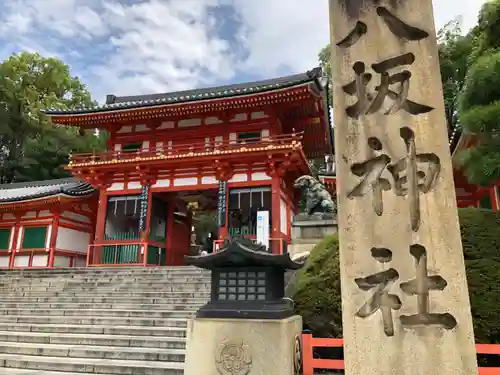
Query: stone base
(308, 233)
(242, 347)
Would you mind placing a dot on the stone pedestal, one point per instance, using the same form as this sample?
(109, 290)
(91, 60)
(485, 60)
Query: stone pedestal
(242, 347)
(308, 233)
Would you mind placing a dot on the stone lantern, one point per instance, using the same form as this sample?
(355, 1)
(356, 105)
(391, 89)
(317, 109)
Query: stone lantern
(247, 327)
(247, 281)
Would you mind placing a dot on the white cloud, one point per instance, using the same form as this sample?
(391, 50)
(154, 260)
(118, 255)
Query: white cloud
(142, 46)
(292, 35)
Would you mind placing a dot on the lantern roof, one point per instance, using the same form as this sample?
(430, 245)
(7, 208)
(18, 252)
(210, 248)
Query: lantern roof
(241, 252)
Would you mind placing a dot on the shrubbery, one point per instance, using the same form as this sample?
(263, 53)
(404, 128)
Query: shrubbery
(317, 294)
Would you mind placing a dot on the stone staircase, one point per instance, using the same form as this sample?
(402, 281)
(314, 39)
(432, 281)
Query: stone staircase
(97, 320)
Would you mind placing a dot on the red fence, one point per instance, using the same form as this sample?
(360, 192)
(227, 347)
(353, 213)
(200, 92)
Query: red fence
(309, 363)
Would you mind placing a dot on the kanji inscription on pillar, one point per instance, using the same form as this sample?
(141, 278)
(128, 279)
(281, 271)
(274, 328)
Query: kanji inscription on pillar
(405, 306)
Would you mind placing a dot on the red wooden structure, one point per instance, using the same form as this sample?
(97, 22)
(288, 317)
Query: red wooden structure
(310, 363)
(167, 152)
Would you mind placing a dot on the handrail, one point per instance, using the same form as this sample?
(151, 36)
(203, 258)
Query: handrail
(309, 363)
(136, 252)
(186, 150)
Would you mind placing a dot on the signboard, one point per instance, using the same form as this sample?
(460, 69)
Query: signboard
(221, 204)
(143, 213)
(263, 228)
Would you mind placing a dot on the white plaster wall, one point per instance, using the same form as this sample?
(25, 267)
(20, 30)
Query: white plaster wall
(239, 117)
(189, 122)
(4, 261)
(61, 261)
(186, 181)
(239, 177)
(258, 115)
(71, 239)
(209, 180)
(260, 176)
(30, 214)
(47, 237)
(265, 134)
(118, 147)
(11, 238)
(125, 129)
(283, 217)
(21, 261)
(134, 185)
(145, 145)
(8, 217)
(233, 137)
(75, 216)
(117, 186)
(161, 183)
(167, 125)
(20, 237)
(79, 262)
(40, 260)
(213, 120)
(141, 128)
(218, 140)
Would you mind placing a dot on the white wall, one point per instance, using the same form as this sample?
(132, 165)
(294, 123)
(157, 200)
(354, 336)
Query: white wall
(61, 261)
(283, 217)
(73, 240)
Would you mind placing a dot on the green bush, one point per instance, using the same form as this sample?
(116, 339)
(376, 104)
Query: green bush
(317, 295)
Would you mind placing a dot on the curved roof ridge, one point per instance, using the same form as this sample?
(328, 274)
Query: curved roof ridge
(21, 191)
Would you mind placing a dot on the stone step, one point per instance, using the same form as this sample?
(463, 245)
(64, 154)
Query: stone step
(85, 351)
(119, 306)
(100, 294)
(96, 329)
(91, 339)
(126, 280)
(47, 275)
(91, 365)
(137, 286)
(18, 371)
(93, 320)
(104, 300)
(113, 288)
(94, 270)
(101, 312)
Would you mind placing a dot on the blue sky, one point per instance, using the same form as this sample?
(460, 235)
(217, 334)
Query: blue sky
(127, 47)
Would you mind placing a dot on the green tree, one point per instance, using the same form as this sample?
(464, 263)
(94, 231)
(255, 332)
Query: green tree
(30, 146)
(454, 52)
(479, 102)
(317, 294)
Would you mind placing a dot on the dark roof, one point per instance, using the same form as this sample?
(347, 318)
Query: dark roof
(129, 102)
(241, 252)
(20, 191)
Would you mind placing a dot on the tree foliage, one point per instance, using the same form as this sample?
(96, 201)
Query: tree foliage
(479, 101)
(317, 296)
(31, 147)
(454, 52)
(470, 73)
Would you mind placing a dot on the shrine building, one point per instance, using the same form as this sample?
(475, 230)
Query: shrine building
(233, 149)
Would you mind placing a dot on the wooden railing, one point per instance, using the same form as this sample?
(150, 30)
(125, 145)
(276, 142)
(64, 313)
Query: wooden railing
(309, 363)
(124, 252)
(30, 253)
(189, 150)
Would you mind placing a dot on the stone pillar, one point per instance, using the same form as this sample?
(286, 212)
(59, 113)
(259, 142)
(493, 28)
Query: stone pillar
(405, 302)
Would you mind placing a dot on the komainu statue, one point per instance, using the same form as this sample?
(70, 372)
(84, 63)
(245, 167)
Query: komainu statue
(318, 199)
